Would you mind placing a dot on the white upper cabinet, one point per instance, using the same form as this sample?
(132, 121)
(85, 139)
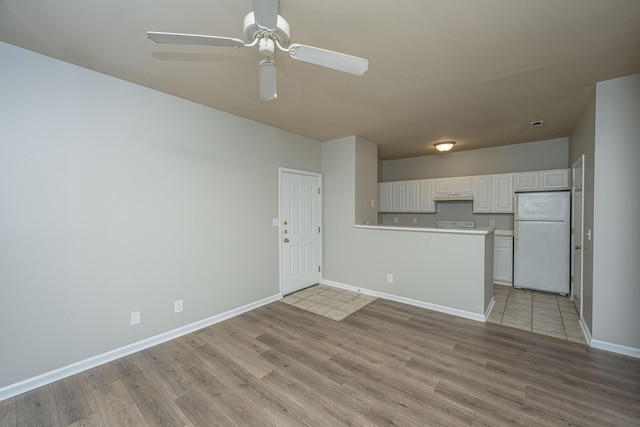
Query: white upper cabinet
(427, 191)
(556, 179)
(482, 194)
(463, 185)
(502, 193)
(456, 185)
(384, 196)
(527, 181)
(412, 197)
(493, 193)
(398, 196)
(444, 185)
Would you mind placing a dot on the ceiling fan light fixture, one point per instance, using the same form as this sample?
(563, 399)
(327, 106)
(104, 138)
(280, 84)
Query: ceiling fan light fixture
(268, 80)
(444, 146)
(266, 46)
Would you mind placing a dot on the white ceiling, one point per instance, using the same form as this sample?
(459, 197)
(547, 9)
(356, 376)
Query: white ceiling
(475, 71)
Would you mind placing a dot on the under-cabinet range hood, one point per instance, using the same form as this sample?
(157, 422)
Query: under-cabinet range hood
(453, 197)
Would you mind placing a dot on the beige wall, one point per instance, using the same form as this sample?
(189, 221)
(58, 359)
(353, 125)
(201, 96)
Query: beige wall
(540, 155)
(116, 198)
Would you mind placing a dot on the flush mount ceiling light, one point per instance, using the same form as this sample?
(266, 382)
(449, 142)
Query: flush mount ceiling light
(444, 146)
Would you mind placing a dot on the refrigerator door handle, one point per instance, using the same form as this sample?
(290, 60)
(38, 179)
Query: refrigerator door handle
(515, 225)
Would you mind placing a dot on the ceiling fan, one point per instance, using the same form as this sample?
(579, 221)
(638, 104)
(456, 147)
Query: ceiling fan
(269, 32)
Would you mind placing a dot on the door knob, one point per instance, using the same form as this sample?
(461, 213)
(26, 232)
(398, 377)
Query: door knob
(578, 247)
(286, 240)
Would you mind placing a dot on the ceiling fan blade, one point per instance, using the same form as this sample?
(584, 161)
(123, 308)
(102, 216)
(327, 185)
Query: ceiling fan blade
(268, 80)
(194, 39)
(265, 13)
(327, 58)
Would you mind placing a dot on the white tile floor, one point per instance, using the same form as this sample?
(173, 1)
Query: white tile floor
(328, 301)
(539, 312)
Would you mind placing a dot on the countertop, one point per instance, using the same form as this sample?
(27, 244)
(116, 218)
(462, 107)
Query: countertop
(471, 231)
(507, 234)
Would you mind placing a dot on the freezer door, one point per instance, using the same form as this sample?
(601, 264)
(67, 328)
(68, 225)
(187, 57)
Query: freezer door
(549, 206)
(541, 256)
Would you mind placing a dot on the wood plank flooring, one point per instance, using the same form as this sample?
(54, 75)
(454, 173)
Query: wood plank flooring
(387, 364)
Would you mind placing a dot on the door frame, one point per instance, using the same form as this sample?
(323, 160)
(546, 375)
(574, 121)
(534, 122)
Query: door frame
(281, 171)
(579, 161)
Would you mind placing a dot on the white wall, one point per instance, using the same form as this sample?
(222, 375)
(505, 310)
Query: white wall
(616, 247)
(116, 198)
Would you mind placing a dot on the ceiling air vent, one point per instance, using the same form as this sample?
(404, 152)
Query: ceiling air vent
(537, 124)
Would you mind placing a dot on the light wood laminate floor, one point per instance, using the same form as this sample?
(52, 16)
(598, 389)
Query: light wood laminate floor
(386, 364)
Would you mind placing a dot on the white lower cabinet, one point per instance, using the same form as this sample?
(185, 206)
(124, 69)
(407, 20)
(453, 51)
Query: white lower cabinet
(503, 260)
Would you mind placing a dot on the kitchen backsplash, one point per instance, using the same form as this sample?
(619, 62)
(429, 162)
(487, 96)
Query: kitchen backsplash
(454, 211)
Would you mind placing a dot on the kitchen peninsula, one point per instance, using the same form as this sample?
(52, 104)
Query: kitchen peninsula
(444, 269)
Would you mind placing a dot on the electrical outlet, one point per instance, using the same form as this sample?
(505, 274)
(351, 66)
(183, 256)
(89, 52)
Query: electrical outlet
(389, 278)
(177, 306)
(395, 219)
(135, 318)
(415, 220)
(373, 203)
(492, 222)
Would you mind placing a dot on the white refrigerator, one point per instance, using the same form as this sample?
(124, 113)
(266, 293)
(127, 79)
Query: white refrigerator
(542, 241)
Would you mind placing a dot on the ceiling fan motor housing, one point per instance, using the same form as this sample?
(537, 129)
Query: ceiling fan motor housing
(252, 30)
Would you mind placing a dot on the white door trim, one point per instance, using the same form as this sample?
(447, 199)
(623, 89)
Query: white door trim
(579, 162)
(281, 171)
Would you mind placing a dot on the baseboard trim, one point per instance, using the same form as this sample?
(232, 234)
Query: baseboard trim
(616, 348)
(489, 308)
(83, 365)
(409, 301)
(585, 330)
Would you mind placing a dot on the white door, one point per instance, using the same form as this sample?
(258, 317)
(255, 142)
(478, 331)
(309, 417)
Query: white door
(299, 230)
(577, 208)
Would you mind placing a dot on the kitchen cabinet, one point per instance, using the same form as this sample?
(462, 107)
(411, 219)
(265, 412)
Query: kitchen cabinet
(412, 196)
(482, 194)
(384, 196)
(555, 179)
(493, 193)
(455, 185)
(427, 191)
(503, 261)
(398, 196)
(502, 193)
